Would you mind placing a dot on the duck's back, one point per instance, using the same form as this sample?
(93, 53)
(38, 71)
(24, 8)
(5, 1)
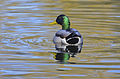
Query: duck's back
(67, 36)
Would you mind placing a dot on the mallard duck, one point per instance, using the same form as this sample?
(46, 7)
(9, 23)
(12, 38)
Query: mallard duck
(66, 35)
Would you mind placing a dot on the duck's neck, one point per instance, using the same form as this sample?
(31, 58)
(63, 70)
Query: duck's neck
(65, 27)
(66, 24)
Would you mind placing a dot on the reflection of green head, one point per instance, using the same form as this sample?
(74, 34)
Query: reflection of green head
(62, 56)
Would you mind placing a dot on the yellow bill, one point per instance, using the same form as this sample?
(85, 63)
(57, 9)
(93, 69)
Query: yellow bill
(53, 23)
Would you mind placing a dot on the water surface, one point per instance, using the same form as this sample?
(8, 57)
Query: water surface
(27, 50)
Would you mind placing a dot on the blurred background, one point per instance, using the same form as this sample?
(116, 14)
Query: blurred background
(27, 50)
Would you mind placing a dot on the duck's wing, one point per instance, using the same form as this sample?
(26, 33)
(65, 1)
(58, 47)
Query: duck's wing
(62, 33)
(74, 35)
(74, 32)
(68, 33)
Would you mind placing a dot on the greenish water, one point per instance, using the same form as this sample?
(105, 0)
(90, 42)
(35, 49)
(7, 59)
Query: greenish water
(27, 50)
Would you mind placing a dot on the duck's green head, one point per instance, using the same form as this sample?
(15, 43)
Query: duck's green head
(63, 20)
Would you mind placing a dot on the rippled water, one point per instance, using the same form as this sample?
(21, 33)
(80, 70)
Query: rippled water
(27, 50)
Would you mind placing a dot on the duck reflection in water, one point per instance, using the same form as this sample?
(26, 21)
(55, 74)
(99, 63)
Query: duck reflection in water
(66, 51)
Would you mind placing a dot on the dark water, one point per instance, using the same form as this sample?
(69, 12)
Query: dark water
(27, 50)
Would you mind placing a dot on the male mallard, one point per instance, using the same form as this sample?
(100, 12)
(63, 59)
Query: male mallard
(66, 35)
